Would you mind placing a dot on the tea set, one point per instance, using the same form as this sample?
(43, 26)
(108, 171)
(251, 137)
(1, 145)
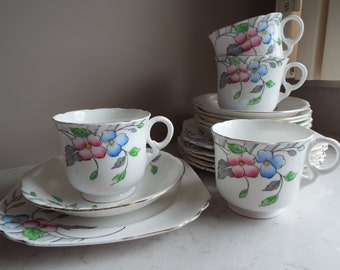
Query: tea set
(114, 183)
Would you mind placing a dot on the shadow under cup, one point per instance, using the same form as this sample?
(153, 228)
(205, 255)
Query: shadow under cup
(105, 150)
(260, 164)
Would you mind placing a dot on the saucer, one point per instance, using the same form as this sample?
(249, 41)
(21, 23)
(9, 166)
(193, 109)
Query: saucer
(46, 186)
(26, 223)
(288, 107)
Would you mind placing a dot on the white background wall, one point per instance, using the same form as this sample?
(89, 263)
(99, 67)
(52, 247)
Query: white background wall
(63, 55)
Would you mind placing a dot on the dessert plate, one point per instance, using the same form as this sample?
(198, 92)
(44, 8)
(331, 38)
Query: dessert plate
(288, 107)
(46, 186)
(26, 223)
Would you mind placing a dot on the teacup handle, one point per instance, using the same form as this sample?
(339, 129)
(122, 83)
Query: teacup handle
(324, 169)
(157, 146)
(291, 87)
(288, 41)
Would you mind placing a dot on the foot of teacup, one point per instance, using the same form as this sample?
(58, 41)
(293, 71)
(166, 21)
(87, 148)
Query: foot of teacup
(254, 214)
(108, 198)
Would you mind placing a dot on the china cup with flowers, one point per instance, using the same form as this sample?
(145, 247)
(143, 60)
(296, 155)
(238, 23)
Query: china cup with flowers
(260, 35)
(260, 164)
(105, 149)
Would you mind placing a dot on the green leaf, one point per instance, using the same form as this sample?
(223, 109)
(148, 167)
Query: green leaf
(270, 84)
(254, 101)
(236, 148)
(301, 148)
(279, 41)
(270, 200)
(243, 193)
(32, 193)
(154, 169)
(33, 233)
(119, 177)
(57, 198)
(140, 125)
(94, 206)
(55, 202)
(290, 176)
(234, 60)
(279, 63)
(134, 151)
(242, 27)
(93, 175)
(81, 132)
(237, 95)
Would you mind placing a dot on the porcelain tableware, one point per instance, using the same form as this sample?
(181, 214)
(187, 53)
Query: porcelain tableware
(105, 150)
(259, 164)
(163, 174)
(288, 107)
(253, 83)
(260, 35)
(25, 223)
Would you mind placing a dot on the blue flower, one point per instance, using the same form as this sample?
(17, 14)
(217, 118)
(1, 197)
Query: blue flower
(257, 71)
(266, 31)
(114, 142)
(12, 222)
(269, 163)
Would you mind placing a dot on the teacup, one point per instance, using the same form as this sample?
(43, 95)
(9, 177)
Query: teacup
(260, 164)
(105, 149)
(253, 83)
(261, 35)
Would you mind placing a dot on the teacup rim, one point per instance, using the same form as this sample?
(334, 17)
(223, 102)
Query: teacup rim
(57, 117)
(245, 20)
(253, 57)
(269, 121)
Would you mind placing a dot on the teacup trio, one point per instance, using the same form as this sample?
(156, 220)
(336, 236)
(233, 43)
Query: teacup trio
(252, 63)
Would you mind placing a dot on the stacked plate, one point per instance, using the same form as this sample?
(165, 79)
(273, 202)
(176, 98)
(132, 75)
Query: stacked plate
(45, 210)
(195, 142)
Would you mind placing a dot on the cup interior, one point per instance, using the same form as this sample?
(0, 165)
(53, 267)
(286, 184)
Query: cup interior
(101, 116)
(261, 131)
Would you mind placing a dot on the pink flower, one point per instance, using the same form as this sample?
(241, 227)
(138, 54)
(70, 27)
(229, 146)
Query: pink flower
(238, 73)
(89, 147)
(243, 165)
(41, 224)
(249, 39)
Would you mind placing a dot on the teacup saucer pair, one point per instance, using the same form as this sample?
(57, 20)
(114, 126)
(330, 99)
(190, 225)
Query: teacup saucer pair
(46, 186)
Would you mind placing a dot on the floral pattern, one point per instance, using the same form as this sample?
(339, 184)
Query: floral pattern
(37, 224)
(248, 161)
(239, 70)
(91, 145)
(251, 34)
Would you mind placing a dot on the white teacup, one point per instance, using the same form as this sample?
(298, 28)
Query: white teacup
(260, 35)
(105, 149)
(260, 164)
(253, 83)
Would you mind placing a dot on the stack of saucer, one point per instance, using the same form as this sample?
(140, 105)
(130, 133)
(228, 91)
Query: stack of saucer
(53, 213)
(195, 141)
(291, 110)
